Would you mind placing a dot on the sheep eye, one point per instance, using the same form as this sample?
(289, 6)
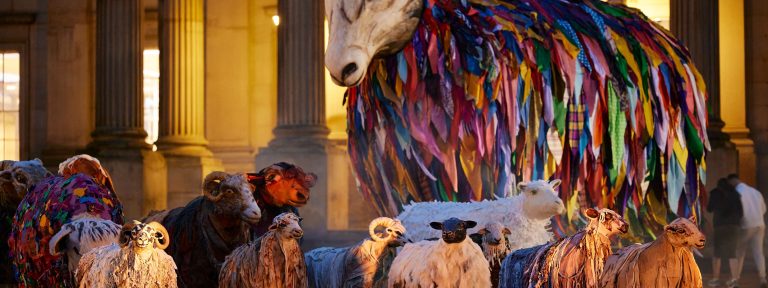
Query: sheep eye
(300, 219)
(229, 191)
(20, 178)
(281, 225)
(389, 230)
(608, 216)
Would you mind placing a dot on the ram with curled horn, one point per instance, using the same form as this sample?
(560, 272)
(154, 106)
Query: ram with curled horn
(138, 260)
(363, 265)
(210, 227)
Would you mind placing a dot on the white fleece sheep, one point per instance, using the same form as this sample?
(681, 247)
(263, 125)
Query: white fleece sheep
(363, 265)
(453, 261)
(138, 262)
(527, 214)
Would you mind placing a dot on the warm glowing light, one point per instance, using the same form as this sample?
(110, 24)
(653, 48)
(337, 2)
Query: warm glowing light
(276, 20)
(10, 87)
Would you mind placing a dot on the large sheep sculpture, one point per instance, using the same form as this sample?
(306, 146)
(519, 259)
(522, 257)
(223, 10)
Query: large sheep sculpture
(363, 265)
(281, 187)
(138, 262)
(665, 262)
(453, 100)
(271, 261)
(209, 227)
(528, 214)
(62, 218)
(493, 241)
(16, 178)
(575, 261)
(453, 261)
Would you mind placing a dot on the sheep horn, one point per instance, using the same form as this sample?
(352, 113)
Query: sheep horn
(381, 221)
(54, 242)
(163, 241)
(211, 183)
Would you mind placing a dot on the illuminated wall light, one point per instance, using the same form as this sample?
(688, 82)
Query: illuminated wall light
(276, 20)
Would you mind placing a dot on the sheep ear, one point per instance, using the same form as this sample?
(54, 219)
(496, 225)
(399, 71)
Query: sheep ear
(482, 231)
(693, 219)
(477, 238)
(555, 183)
(591, 213)
(436, 225)
(125, 233)
(506, 231)
(6, 164)
(470, 224)
(56, 245)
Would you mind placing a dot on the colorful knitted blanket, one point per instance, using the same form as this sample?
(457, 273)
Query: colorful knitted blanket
(53, 203)
(490, 92)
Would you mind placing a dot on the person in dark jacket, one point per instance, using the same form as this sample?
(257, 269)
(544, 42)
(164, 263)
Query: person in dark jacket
(725, 204)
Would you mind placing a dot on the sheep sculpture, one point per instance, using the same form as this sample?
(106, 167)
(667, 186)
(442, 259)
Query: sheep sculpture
(528, 213)
(271, 261)
(61, 218)
(453, 100)
(137, 262)
(363, 265)
(209, 227)
(493, 241)
(665, 262)
(575, 261)
(16, 178)
(279, 188)
(453, 261)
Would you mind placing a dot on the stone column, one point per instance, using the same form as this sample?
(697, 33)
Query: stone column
(301, 135)
(695, 23)
(182, 91)
(756, 58)
(119, 139)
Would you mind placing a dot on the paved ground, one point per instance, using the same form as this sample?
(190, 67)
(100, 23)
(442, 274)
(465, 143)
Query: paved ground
(749, 277)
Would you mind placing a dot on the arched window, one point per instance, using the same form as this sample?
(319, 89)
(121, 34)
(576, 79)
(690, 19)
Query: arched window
(10, 78)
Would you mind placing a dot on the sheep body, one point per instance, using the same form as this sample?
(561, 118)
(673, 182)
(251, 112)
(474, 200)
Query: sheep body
(363, 265)
(138, 262)
(665, 262)
(273, 260)
(112, 267)
(440, 264)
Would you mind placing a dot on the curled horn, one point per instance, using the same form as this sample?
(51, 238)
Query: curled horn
(211, 183)
(162, 240)
(54, 242)
(381, 221)
(125, 233)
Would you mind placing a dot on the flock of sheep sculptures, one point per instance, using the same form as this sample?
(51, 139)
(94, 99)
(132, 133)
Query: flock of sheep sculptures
(67, 230)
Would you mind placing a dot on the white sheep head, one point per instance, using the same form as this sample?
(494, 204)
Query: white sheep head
(606, 222)
(85, 233)
(361, 29)
(232, 195)
(684, 233)
(143, 237)
(16, 177)
(286, 225)
(541, 200)
(387, 230)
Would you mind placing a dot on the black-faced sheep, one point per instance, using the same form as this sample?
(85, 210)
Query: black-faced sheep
(575, 261)
(451, 261)
(665, 262)
(207, 230)
(138, 262)
(363, 265)
(271, 261)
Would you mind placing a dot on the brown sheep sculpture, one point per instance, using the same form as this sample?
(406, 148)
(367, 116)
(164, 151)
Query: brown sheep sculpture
(281, 187)
(209, 228)
(665, 262)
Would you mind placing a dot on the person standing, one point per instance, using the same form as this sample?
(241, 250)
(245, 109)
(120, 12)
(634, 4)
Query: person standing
(752, 226)
(725, 203)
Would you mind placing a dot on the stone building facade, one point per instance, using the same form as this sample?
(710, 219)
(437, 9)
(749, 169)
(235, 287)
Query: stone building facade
(238, 88)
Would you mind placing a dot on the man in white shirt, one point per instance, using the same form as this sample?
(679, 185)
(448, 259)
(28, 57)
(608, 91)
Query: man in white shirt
(752, 225)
